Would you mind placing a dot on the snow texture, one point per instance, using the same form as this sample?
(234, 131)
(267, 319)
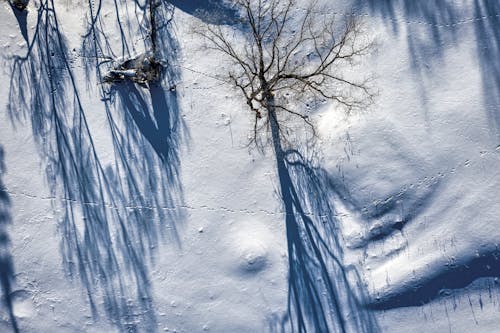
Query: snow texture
(130, 207)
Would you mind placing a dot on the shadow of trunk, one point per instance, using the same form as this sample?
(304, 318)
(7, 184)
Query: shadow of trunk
(21, 17)
(320, 293)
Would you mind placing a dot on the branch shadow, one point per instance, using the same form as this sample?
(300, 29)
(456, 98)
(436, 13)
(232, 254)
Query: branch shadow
(115, 211)
(442, 21)
(7, 276)
(324, 294)
(488, 39)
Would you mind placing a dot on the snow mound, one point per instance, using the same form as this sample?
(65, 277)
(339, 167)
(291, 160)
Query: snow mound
(251, 246)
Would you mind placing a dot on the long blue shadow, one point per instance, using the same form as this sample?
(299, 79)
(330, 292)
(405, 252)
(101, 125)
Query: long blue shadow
(22, 20)
(441, 18)
(444, 20)
(444, 284)
(324, 294)
(209, 11)
(7, 276)
(112, 214)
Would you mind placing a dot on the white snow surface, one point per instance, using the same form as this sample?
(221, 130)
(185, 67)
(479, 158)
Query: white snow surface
(141, 210)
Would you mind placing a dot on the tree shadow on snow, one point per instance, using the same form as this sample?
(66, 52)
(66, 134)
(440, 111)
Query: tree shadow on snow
(442, 22)
(443, 284)
(21, 17)
(209, 11)
(6, 263)
(324, 294)
(114, 209)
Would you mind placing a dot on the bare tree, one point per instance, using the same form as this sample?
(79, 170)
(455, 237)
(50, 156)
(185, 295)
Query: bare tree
(292, 53)
(144, 68)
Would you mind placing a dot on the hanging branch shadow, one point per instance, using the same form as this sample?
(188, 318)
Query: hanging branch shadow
(113, 215)
(443, 21)
(487, 31)
(153, 109)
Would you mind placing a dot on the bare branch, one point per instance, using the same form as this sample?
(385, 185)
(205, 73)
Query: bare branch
(292, 53)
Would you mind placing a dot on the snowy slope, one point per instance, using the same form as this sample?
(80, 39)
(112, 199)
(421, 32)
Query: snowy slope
(136, 209)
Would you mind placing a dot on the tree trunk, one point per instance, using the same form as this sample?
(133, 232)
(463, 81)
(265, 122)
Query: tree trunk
(275, 130)
(284, 178)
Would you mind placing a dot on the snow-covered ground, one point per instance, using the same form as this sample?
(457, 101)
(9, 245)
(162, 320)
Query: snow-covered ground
(125, 208)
